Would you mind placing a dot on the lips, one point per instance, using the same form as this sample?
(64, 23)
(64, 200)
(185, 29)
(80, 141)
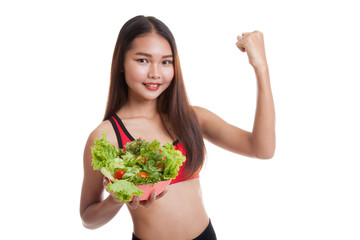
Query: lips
(152, 86)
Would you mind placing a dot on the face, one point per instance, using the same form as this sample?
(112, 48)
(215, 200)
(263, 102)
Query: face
(148, 66)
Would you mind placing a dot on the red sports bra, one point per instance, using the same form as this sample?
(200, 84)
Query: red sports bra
(123, 137)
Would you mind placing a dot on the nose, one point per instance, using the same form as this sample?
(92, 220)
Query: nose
(154, 71)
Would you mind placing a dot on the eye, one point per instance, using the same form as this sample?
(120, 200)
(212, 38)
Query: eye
(167, 62)
(142, 60)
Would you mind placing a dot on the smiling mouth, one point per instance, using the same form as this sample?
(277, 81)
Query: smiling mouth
(152, 86)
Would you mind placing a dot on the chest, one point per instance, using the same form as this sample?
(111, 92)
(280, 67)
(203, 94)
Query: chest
(148, 129)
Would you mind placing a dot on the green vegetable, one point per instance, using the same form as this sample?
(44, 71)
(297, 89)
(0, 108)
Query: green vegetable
(109, 159)
(102, 152)
(124, 190)
(107, 174)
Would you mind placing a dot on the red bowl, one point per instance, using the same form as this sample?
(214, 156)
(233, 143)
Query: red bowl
(149, 189)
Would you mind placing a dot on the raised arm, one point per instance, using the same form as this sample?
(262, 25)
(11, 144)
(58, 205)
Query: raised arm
(259, 143)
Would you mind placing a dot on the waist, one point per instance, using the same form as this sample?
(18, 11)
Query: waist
(174, 214)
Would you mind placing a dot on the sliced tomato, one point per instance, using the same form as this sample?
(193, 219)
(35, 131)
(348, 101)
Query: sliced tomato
(119, 174)
(143, 159)
(143, 175)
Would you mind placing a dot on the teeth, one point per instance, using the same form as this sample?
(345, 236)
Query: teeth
(152, 85)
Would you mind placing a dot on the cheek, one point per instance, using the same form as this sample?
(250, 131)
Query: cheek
(134, 74)
(168, 75)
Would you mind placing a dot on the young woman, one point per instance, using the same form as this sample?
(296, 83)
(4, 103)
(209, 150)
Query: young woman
(147, 99)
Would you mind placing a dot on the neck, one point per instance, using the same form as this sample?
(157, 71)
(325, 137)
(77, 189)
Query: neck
(136, 108)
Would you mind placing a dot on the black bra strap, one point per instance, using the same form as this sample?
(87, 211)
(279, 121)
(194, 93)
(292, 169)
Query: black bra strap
(123, 128)
(111, 119)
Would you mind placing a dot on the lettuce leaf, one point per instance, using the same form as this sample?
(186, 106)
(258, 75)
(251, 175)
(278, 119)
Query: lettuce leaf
(123, 190)
(107, 174)
(173, 161)
(103, 151)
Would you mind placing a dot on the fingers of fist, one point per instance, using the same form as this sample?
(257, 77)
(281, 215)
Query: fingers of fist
(248, 38)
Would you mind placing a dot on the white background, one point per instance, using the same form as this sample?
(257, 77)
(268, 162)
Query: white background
(55, 61)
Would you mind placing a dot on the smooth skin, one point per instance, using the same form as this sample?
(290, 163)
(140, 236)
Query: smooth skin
(148, 70)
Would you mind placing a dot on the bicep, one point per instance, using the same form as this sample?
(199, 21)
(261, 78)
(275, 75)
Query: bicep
(223, 134)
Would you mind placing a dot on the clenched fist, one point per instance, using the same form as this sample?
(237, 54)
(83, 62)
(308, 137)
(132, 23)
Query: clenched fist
(253, 44)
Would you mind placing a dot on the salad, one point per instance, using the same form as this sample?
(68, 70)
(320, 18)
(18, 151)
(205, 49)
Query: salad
(140, 162)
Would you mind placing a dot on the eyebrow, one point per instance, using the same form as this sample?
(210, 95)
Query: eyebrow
(149, 55)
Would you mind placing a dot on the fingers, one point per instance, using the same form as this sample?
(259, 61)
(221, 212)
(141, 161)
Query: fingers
(240, 43)
(134, 203)
(151, 199)
(243, 40)
(105, 183)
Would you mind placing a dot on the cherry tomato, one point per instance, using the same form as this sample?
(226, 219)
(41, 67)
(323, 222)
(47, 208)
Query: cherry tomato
(143, 159)
(119, 174)
(143, 175)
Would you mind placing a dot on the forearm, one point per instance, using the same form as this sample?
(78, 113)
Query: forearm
(98, 214)
(263, 134)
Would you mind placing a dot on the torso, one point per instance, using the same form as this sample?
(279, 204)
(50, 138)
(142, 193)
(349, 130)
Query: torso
(180, 213)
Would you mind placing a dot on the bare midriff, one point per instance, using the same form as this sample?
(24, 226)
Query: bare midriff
(180, 213)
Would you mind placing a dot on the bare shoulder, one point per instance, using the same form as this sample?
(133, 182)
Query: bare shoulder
(106, 127)
(199, 110)
(204, 114)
